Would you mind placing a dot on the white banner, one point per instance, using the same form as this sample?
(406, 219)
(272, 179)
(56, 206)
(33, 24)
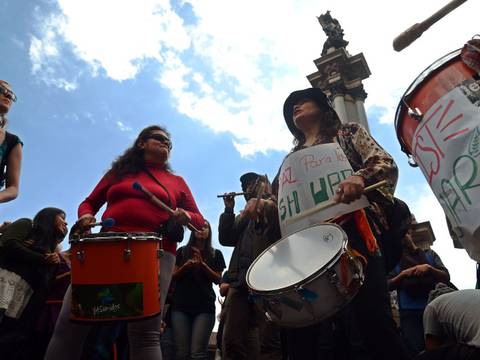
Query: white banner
(446, 146)
(309, 178)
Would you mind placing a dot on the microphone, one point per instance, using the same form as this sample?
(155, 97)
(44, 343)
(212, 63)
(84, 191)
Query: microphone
(415, 31)
(108, 222)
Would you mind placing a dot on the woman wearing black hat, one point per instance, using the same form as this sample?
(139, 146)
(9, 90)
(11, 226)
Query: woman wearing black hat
(313, 121)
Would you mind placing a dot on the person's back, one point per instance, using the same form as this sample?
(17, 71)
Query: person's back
(455, 317)
(452, 326)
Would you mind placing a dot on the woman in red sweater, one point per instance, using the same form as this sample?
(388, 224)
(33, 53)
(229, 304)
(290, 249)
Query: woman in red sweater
(145, 162)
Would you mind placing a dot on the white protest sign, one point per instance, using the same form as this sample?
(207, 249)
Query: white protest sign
(308, 178)
(446, 146)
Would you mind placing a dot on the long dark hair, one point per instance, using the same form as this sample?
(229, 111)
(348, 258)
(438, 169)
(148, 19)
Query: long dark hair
(330, 125)
(208, 250)
(44, 234)
(132, 161)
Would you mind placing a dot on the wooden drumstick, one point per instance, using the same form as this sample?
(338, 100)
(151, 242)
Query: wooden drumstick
(415, 31)
(329, 204)
(159, 203)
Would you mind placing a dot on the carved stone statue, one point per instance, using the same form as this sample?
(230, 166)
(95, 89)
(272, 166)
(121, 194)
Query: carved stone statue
(334, 32)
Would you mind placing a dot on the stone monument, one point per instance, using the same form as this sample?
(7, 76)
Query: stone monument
(340, 74)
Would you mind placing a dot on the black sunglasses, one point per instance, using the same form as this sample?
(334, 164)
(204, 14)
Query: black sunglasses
(163, 139)
(8, 93)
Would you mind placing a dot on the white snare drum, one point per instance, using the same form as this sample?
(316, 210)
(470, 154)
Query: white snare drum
(305, 277)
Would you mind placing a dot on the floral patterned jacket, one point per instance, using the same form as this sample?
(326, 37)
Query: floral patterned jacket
(369, 160)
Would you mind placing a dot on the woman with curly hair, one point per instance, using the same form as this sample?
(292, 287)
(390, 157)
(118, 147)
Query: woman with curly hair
(145, 162)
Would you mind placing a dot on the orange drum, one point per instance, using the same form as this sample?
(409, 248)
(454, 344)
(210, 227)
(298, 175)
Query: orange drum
(115, 276)
(437, 80)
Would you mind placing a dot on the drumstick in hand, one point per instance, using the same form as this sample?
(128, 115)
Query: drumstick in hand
(157, 202)
(329, 204)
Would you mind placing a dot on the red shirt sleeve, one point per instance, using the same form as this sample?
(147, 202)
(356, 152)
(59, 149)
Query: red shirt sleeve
(97, 198)
(188, 204)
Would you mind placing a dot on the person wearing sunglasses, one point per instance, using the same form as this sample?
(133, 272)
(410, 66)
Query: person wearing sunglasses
(146, 162)
(10, 148)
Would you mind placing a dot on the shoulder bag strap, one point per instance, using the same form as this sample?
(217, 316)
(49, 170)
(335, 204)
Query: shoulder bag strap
(148, 172)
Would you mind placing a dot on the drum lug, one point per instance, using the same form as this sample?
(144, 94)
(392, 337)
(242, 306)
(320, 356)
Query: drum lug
(411, 161)
(80, 255)
(268, 316)
(272, 307)
(335, 281)
(127, 253)
(414, 113)
(160, 251)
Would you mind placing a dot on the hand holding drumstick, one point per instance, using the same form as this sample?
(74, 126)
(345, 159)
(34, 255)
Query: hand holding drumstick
(354, 188)
(350, 189)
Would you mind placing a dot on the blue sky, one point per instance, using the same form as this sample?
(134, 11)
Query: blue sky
(90, 74)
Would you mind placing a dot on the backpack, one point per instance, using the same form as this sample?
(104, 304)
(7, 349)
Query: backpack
(399, 219)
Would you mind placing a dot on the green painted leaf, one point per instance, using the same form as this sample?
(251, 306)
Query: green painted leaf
(474, 145)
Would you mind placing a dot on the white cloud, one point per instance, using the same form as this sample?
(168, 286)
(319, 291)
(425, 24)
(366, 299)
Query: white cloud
(45, 56)
(426, 208)
(123, 127)
(232, 68)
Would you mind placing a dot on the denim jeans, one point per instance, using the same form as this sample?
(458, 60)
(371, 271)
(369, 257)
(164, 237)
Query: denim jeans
(411, 324)
(191, 333)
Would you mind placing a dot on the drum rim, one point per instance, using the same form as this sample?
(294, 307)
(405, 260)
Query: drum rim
(115, 236)
(316, 274)
(424, 75)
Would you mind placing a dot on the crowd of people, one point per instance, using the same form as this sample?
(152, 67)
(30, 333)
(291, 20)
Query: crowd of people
(437, 321)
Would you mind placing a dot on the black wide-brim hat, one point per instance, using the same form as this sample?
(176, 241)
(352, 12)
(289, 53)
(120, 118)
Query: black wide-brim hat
(248, 177)
(314, 94)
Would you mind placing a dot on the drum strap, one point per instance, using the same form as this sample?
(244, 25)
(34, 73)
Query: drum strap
(365, 231)
(355, 254)
(362, 226)
(148, 172)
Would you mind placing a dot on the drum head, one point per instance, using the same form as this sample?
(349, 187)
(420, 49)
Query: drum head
(296, 257)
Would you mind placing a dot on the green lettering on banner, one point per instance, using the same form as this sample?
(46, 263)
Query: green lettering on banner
(333, 180)
(346, 173)
(293, 201)
(283, 209)
(446, 193)
(321, 195)
(288, 206)
(468, 185)
(453, 224)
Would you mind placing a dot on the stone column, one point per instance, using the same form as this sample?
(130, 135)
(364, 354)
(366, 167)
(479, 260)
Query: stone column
(360, 95)
(338, 96)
